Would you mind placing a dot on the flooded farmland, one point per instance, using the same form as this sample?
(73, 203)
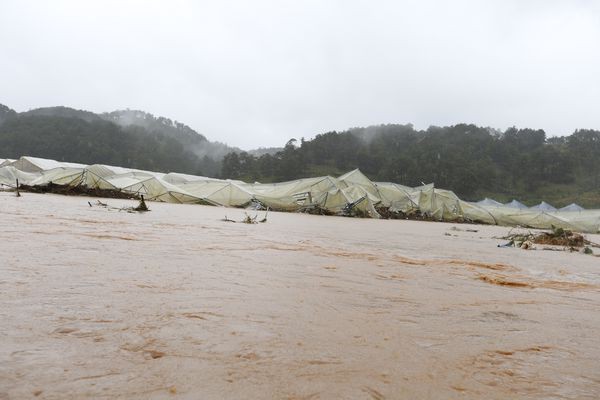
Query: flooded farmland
(178, 304)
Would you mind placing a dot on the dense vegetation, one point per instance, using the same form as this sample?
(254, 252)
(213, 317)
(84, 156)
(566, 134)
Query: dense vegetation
(123, 138)
(192, 140)
(76, 140)
(472, 161)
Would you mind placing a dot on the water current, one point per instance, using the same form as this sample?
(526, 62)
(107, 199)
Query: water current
(178, 304)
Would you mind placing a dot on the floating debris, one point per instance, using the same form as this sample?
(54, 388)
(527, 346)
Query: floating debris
(454, 228)
(557, 239)
(142, 207)
(248, 219)
(76, 190)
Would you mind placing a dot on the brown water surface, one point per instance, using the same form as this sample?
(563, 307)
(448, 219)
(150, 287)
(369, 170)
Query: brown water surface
(177, 304)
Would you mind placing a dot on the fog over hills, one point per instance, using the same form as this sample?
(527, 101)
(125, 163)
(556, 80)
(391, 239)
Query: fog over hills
(130, 138)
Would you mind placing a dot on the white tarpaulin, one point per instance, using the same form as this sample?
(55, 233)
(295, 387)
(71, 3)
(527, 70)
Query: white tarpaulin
(351, 191)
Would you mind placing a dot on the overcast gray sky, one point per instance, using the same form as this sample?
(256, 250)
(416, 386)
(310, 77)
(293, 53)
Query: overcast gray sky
(256, 73)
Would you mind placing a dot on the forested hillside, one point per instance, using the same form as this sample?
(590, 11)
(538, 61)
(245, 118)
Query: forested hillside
(192, 140)
(474, 162)
(123, 138)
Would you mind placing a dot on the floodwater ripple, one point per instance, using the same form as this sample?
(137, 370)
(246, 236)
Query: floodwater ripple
(175, 303)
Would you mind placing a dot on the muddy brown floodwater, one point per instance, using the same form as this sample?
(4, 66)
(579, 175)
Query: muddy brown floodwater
(177, 304)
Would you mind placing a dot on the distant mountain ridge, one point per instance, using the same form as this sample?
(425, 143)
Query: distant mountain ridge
(61, 111)
(194, 141)
(6, 112)
(130, 138)
(473, 161)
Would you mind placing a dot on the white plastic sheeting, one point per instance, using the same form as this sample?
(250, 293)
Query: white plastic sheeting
(351, 191)
(489, 202)
(35, 164)
(516, 204)
(6, 161)
(572, 207)
(543, 206)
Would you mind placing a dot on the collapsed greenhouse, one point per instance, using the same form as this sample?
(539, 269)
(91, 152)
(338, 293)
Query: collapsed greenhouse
(350, 194)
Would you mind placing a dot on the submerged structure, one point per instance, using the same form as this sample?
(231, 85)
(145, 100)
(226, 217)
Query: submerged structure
(350, 194)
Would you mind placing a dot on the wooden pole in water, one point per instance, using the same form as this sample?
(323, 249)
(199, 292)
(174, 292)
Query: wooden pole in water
(142, 206)
(18, 194)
